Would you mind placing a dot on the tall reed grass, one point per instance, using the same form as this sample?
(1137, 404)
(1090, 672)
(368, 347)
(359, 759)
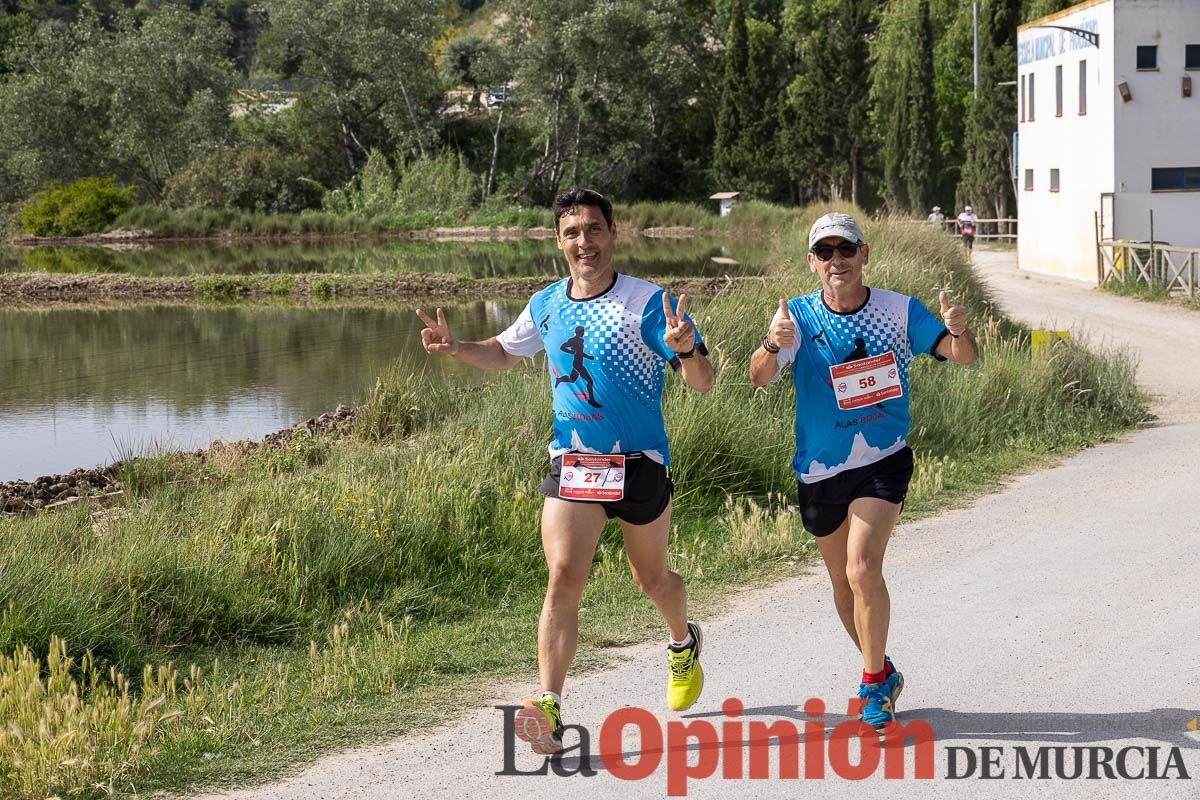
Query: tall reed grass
(345, 584)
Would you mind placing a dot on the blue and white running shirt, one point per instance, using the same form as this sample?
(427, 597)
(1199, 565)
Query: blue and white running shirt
(830, 439)
(605, 355)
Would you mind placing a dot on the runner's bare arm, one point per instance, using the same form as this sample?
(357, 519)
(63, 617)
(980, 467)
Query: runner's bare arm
(764, 366)
(488, 354)
(697, 372)
(680, 337)
(960, 346)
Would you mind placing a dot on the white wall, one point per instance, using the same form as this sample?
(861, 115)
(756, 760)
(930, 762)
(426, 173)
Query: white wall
(1158, 127)
(1057, 229)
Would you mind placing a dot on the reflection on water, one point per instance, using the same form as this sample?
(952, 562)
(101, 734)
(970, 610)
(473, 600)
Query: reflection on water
(79, 387)
(635, 255)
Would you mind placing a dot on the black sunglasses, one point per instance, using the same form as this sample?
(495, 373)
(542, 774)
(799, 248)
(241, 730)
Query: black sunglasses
(824, 252)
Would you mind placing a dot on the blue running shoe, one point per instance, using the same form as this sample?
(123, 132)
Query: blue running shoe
(877, 710)
(894, 685)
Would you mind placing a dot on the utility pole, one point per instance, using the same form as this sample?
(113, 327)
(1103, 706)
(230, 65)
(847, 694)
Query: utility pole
(975, 27)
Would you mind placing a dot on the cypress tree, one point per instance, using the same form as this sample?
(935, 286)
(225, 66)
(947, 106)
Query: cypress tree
(828, 135)
(745, 155)
(921, 130)
(729, 121)
(987, 174)
(891, 76)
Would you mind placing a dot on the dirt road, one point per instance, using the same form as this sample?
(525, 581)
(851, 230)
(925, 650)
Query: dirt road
(1059, 613)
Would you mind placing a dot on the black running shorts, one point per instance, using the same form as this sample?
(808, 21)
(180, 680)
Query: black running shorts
(824, 505)
(648, 490)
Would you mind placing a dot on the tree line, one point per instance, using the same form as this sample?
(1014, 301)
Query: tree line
(783, 100)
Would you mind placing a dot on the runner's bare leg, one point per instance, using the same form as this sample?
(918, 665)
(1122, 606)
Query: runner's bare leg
(871, 523)
(833, 553)
(646, 547)
(570, 532)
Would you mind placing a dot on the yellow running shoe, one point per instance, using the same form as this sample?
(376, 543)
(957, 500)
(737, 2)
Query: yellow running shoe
(539, 722)
(686, 677)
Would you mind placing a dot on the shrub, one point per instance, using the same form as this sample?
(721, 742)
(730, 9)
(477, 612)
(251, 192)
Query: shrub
(219, 287)
(441, 186)
(86, 206)
(372, 193)
(256, 178)
(437, 188)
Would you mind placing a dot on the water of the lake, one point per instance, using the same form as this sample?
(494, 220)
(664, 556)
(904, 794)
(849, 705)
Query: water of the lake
(81, 388)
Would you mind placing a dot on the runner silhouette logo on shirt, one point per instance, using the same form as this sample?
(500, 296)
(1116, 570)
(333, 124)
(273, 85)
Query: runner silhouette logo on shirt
(858, 353)
(574, 347)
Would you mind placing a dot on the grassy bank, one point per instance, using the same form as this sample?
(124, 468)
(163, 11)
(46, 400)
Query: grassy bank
(294, 601)
(44, 290)
(748, 219)
(636, 254)
(1151, 292)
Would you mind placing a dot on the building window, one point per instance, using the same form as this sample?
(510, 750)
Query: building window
(1191, 56)
(1147, 56)
(1058, 91)
(1054, 180)
(1030, 95)
(1029, 180)
(1083, 87)
(1175, 179)
(1021, 97)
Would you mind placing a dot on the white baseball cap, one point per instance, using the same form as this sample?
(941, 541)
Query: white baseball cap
(967, 208)
(835, 224)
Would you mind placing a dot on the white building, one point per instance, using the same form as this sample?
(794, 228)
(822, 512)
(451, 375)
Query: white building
(1108, 128)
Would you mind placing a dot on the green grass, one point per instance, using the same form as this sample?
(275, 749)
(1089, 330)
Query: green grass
(748, 218)
(333, 591)
(1151, 292)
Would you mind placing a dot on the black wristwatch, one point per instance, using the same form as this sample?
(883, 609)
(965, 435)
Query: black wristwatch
(689, 353)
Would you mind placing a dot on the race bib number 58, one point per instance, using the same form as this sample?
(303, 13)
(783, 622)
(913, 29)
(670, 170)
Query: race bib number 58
(866, 382)
(594, 478)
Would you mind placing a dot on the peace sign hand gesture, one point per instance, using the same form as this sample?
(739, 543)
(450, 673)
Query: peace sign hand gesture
(680, 336)
(436, 337)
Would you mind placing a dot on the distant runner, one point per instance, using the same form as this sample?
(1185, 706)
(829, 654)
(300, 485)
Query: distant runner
(609, 455)
(850, 347)
(966, 222)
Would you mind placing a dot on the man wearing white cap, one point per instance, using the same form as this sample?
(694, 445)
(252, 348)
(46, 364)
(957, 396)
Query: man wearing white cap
(850, 347)
(966, 229)
(937, 217)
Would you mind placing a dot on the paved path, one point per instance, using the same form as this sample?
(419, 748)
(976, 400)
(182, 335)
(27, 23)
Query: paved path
(1074, 589)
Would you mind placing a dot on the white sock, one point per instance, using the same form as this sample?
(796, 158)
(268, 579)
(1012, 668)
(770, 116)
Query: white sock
(690, 640)
(553, 696)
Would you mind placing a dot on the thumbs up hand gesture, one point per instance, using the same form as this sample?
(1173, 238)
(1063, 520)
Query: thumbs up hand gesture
(783, 329)
(954, 317)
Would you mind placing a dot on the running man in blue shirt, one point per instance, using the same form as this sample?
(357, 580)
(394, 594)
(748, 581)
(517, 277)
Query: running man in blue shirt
(607, 338)
(850, 347)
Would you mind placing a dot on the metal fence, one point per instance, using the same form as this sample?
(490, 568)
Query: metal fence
(985, 229)
(1176, 269)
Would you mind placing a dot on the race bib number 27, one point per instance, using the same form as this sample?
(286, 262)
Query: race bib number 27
(866, 382)
(597, 478)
